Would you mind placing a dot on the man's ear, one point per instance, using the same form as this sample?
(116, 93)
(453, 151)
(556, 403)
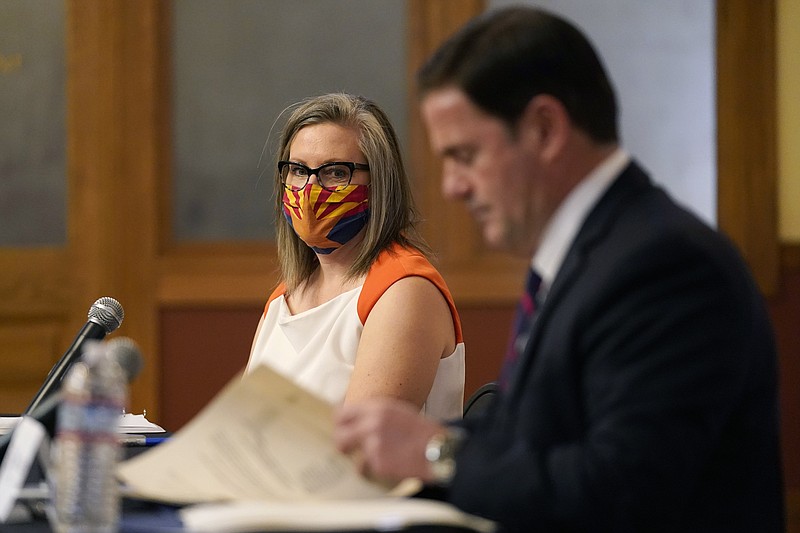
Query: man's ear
(545, 125)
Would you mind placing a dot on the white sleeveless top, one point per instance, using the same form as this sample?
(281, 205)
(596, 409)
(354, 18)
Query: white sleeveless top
(317, 348)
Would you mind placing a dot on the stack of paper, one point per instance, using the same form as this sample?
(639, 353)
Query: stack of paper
(261, 456)
(131, 423)
(385, 514)
(128, 423)
(7, 423)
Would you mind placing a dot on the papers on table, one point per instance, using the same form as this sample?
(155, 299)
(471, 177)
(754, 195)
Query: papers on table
(261, 457)
(128, 423)
(383, 514)
(131, 423)
(262, 438)
(7, 423)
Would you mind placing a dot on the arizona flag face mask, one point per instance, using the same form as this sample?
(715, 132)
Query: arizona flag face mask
(326, 220)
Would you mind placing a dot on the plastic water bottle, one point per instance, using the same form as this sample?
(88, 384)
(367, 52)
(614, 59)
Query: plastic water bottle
(87, 449)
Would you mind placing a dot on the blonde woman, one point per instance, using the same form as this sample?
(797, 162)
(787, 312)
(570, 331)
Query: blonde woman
(360, 311)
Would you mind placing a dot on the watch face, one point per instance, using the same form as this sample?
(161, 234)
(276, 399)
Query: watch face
(440, 453)
(433, 451)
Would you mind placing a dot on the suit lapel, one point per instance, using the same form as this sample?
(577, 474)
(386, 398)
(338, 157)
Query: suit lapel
(632, 181)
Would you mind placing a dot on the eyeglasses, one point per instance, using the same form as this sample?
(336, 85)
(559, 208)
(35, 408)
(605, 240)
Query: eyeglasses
(331, 176)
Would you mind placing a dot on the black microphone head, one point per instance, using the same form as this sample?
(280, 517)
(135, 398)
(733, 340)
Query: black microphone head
(107, 313)
(127, 355)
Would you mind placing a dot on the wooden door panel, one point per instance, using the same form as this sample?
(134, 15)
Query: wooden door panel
(34, 293)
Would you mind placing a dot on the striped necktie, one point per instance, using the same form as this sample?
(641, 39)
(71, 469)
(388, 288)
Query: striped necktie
(523, 320)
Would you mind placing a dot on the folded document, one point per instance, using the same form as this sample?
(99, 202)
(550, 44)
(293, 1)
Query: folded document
(260, 456)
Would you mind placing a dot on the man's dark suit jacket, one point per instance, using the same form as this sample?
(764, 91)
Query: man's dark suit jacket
(646, 399)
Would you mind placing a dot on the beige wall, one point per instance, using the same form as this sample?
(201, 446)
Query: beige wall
(789, 120)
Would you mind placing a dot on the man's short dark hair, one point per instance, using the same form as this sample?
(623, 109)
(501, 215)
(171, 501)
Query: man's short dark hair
(503, 58)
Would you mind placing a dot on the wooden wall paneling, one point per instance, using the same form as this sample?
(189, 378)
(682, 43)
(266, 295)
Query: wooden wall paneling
(31, 339)
(209, 287)
(219, 274)
(474, 274)
(33, 282)
(430, 23)
(746, 134)
(785, 312)
(793, 512)
(34, 296)
(143, 115)
(33, 307)
(222, 335)
(113, 119)
(31, 346)
(790, 258)
(34, 293)
(163, 132)
(205, 275)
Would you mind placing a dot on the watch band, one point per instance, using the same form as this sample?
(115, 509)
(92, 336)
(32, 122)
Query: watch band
(440, 453)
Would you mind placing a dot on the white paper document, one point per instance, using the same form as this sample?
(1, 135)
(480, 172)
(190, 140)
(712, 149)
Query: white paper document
(17, 462)
(128, 423)
(7, 423)
(385, 514)
(261, 457)
(131, 423)
(261, 438)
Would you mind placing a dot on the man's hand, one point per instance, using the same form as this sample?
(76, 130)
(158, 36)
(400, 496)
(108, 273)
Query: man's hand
(387, 438)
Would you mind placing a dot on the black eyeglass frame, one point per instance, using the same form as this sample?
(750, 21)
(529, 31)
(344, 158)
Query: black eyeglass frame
(311, 171)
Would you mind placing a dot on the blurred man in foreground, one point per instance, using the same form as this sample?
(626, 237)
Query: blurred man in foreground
(641, 395)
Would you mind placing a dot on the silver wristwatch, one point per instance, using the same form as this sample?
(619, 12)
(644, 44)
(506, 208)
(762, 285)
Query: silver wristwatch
(440, 453)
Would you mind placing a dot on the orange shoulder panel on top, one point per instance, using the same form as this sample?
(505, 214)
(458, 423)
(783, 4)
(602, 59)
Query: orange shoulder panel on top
(280, 290)
(397, 263)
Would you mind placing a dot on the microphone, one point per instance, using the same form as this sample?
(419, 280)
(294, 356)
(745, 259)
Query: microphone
(127, 355)
(122, 349)
(105, 316)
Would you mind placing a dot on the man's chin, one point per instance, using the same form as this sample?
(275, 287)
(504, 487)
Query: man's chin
(502, 241)
(495, 240)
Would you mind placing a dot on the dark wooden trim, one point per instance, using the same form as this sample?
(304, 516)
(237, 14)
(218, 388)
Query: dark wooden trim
(473, 273)
(746, 133)
(793, 511)
(114, 113)
(217, 275)
(790, 257)
(163, 127)
(34, 283)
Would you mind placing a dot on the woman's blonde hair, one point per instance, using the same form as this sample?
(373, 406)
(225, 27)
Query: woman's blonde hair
(392, 212)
